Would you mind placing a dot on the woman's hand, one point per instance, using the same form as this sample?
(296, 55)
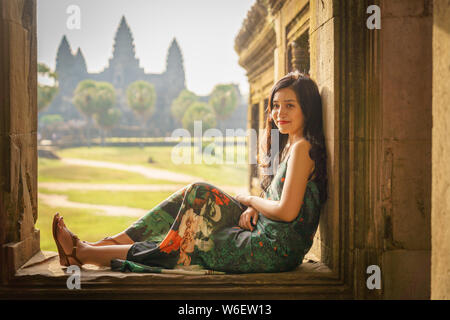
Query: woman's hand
(244, 199)
(247, 217)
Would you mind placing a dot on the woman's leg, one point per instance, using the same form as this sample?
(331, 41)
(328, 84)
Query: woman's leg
(102, 256)
(154, 225)
(204, 211)
(199, 199)
(118, 239)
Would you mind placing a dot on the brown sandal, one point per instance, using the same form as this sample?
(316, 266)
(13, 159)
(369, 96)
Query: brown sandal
(105, 239)
(111, 239)
(63, 257)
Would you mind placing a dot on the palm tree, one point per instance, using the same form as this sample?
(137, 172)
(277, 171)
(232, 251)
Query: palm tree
(199, 111)
(224, 100)
(179, 106)
(107, 120)
(106, 115)
(141, 97)
(85, 100)
(46, 93)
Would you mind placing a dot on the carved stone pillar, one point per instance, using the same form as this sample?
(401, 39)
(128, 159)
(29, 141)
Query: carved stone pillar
(440, 205)
(300, 54)
(19, 241)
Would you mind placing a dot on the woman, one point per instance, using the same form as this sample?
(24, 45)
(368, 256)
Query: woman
(202, 225)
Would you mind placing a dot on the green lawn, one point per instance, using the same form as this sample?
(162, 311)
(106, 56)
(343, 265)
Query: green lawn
(218, 174)
(132, 199)
(57, 171)
(91, 227)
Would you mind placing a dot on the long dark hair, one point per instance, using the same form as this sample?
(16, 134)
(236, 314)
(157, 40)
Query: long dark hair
(310, 102)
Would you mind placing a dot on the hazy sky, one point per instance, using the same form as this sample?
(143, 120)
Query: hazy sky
(204, 29)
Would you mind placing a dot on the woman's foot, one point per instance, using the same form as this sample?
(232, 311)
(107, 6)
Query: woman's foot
(69, 244)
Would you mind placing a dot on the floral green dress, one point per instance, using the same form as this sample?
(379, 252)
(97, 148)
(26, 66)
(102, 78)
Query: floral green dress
(198, 225)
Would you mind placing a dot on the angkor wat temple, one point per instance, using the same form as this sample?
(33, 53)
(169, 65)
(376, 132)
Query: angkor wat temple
(122, 70)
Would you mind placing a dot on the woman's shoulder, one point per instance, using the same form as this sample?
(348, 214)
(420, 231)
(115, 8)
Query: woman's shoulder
(299, 156)
(302, 142)
(301, 148)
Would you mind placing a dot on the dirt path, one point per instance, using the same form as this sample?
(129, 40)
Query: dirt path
(180, 180)
(145, 171)
(55, 200)
(65, 186)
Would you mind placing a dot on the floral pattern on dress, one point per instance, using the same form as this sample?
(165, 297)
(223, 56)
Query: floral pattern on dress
(204, 231)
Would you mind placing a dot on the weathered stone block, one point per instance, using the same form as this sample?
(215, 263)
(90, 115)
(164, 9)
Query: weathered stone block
(322, 52)
(406, 8)
(440, 264)
(18, 82)
(321, 11)
(23, 111)
(13, 10)
(406, 274)
(410, 194)
(406, 72)
(327, 94)
(20, 184)
(363, 258)
(18, 253)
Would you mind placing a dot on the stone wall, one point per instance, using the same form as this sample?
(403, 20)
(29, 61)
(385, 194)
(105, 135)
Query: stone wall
(18, 126)
(323, 22)
(440, 204)
(406, 95)
(376, 93)
(378, 98)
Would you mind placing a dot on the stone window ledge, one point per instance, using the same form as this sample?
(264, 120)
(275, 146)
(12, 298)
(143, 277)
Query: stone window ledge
(43, 277)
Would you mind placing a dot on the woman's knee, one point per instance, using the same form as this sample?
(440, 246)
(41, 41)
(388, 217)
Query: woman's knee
(198, 185)
(197, 193)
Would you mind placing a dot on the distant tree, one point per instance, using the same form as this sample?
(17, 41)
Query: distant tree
(94, 99)
(141, 97)
(179, 106)
(107, 120)
(85, 100)
(224, 100)
(106, 115)
(199, 111)
(84, 97)
(46, 93)
(49, 123)
(105, 97)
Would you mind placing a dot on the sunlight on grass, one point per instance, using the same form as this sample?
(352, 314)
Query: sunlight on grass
(57, 171)
(91, 227)
(86, 225)
(132, 199)
(234, 174)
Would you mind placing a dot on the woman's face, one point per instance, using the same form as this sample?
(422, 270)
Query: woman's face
(286, 112)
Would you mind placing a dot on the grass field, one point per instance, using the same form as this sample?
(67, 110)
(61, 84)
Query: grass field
(132, 199)
(91, 227)
(83, 223)
(234, 174)
(56, 171)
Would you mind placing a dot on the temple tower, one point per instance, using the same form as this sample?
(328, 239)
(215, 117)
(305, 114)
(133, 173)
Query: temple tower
(80, 63)
(64, 58)
(124, 57)
(174, 83)
(174, 65)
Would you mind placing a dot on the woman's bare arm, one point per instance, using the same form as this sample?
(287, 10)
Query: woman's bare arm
(298, 170)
